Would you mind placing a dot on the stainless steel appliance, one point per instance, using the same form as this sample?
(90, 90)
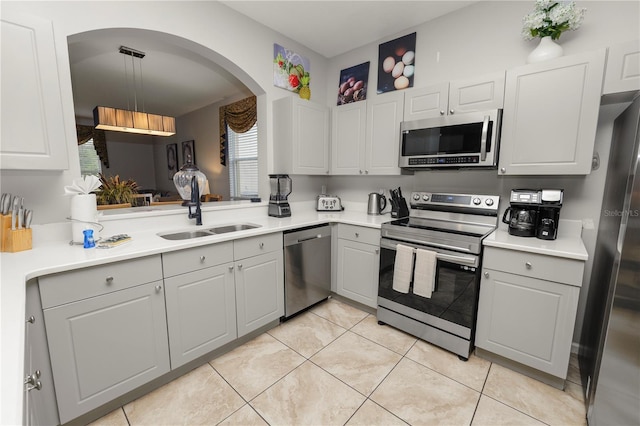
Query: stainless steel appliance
(307, 267)
(280, 190)
(534, 213)
(610, 342)
(452, 226)
(377, 203)
(451, 141)
(549, 214)
(328, 203)
(522, 214)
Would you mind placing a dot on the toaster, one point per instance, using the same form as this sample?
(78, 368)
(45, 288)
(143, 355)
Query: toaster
(328, 203)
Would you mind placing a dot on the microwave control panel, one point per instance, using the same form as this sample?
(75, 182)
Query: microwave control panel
(458, 159)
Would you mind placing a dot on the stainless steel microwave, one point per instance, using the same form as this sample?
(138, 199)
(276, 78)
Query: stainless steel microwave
(452, 141)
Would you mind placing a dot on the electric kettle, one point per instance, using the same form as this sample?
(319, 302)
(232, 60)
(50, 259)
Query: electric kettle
(377, 203)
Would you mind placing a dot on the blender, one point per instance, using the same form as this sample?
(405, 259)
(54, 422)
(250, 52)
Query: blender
(280, 190)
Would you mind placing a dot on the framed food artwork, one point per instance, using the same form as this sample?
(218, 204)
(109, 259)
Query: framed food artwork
(396, 63)
(290, 70)
(172, 159)
(353, 83)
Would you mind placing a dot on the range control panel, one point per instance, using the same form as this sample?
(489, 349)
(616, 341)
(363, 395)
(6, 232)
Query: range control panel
(434, 201)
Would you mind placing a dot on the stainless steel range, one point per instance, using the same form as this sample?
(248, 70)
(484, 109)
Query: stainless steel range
(430, 267)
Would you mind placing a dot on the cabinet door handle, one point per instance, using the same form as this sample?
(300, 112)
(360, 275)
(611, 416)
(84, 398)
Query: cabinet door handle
(357, 235)
(261, 245)
(109, 280)
(528, 265)
(32, 378)
(240, 266)
(230, 268)
(451, 111)
(503, 170)
(486, 275)
(36, 386)
(31, 319)
(360, 171)
(377, 251)
(158, 288)
(441, 112)
(202, 259)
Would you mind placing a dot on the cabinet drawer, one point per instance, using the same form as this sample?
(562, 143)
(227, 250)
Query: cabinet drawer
(66, 287)
(359, 233)
(248, 247)
(193, 259)
(558, 269)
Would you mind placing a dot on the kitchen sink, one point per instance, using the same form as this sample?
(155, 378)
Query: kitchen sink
(233, 228)
(186, 235)
(223, 229)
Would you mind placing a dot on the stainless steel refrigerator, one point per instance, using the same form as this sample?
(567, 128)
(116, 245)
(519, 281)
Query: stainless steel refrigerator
(610, 342)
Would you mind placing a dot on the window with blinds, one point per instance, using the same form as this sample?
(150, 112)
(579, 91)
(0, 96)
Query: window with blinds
(243, 163)
(89, 160)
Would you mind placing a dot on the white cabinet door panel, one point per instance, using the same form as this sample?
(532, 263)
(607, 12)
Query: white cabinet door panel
(348, 138)
(105, 346)
(384, 115)
(357, 272)
(30, 91)
(201, 312)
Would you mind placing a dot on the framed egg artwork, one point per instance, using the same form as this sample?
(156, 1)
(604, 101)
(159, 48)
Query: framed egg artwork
(396, 63)
(353, 83)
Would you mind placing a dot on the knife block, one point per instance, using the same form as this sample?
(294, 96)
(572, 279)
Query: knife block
(5, 228)
(17, 240)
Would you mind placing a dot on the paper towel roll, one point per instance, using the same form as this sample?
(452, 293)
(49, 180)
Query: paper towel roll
(84, 209)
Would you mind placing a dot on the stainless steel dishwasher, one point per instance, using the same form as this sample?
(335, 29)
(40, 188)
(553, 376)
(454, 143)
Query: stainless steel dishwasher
(307, 267)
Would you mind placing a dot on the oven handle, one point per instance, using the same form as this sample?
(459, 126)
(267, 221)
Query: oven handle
(483, 140)
(471, 261)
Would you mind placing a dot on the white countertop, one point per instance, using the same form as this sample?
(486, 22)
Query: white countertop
(52, 253)
(568, 244)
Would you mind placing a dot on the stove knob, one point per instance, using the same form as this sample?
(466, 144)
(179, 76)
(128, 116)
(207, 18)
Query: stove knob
(425, 197)
(488, 202)
(477, 201)
(416, 197)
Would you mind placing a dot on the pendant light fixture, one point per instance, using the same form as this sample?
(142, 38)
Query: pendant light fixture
(133, 121)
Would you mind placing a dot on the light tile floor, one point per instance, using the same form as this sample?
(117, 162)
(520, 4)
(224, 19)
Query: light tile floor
(334, 365)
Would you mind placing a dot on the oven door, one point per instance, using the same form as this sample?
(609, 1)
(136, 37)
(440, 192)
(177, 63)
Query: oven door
(453, 304)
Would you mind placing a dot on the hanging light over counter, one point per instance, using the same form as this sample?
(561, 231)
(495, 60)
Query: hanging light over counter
(133, 121)
(124, 120)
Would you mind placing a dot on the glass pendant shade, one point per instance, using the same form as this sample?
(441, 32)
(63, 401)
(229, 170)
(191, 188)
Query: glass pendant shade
(182, 180)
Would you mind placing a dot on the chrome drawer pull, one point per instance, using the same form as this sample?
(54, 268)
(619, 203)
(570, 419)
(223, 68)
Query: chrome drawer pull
(109, 280)
(261, 245)
(158, 288)
(528, 265)
(37, 386)
(202, 259)
(31, 319)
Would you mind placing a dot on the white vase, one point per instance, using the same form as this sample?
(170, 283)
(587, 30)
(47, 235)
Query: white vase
(547, 49)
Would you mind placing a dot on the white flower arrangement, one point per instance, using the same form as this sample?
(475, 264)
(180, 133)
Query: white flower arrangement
(552, 18)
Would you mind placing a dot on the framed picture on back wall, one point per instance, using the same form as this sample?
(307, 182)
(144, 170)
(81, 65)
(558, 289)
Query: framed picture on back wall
(172, 159)
(189, 151)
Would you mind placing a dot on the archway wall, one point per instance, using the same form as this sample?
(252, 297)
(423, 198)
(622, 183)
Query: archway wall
(210, 29)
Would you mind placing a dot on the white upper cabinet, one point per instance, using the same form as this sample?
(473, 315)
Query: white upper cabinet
(550, 116)
(366, 136)
(348, 124)
(623, 68)
(31, 91)
(476, 94)
(301, 136)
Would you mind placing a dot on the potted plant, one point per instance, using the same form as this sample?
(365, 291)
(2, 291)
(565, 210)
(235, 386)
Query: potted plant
(548, 20)
(115, 192)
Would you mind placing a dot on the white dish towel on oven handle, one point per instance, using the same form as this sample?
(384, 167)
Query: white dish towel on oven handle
(425, 272)
(402, 268)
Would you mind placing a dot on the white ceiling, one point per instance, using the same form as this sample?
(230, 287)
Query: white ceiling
(176, 81)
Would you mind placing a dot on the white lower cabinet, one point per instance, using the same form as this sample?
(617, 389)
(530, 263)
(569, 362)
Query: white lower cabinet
(527, 309)
(105, 346)
(201, 312)
(358, 261)
(259, 278)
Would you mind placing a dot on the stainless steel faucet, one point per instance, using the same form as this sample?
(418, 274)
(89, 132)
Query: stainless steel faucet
(195, 201)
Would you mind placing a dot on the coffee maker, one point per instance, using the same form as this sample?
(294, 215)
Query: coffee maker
(522, 214)
(280, 190)
(549, 213)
